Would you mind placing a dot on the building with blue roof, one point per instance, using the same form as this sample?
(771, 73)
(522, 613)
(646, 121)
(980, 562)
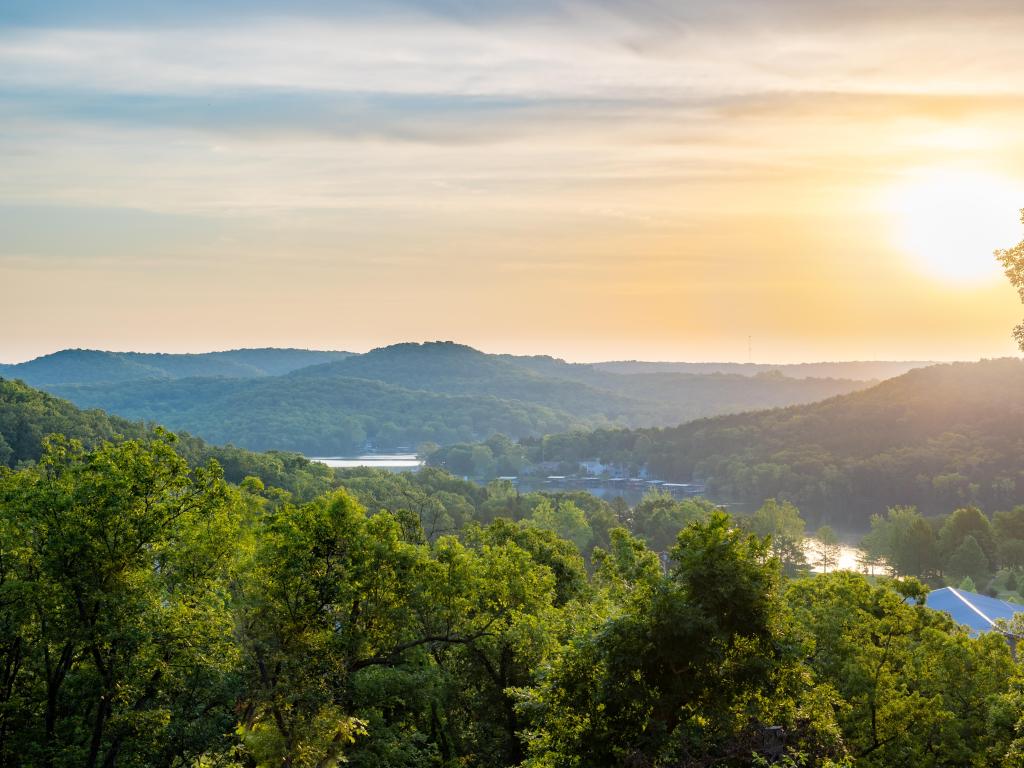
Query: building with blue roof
(979, 612)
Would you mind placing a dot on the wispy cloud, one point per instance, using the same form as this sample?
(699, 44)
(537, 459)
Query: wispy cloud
(449, 148)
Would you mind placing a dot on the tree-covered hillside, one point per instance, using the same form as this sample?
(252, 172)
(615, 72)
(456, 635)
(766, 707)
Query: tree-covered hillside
(322, 415)
(455, 369)
(155, 615)
(670, 397)
(412, 393)
(86, 366)
(27, 416)
(935, 438)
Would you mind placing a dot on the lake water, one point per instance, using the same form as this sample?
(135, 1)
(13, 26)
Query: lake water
(847, 557)
(394, 462)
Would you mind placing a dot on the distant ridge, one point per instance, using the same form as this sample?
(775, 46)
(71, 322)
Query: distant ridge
(865, 370)
(396, 396)
(91, 366)
(937, 438)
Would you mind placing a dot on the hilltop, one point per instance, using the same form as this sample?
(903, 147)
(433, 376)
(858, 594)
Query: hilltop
(400, 395)
(91, 366)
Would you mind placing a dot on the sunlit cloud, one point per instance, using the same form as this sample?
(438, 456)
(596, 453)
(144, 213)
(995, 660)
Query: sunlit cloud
(691, 169)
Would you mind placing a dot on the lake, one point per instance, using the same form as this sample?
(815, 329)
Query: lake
(393, 462)
(848, 557)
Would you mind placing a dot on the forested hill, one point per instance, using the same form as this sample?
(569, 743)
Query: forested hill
(936, 437)
(155, 615)
(456, 369)
(28, 416)
(407, 394)
(87, 366)
(322, 415)
(865, 370)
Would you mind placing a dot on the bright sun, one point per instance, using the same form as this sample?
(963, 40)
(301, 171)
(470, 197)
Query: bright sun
(952, 220)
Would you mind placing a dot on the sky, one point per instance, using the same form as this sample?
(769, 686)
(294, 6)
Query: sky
(615, 179)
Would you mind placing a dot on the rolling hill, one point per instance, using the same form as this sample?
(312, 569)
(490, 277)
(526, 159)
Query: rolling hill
(937, 438)
(863, 370)
(28, 416)
(581, 390)
(90, 366)
(398, 396)
(321, 415)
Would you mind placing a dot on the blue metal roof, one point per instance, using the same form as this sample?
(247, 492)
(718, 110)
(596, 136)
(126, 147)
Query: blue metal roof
(978, 612)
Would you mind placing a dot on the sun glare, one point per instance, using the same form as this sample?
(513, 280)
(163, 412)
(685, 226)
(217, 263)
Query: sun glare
(950, 221)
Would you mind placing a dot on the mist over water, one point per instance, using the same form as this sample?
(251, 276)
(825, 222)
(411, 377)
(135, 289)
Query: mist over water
(391, 461)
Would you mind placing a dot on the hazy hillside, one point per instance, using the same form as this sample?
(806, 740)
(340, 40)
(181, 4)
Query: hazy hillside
(936, 437)
(87, 366)
(869, 370)
(321, 415)
(456, 369)
(675, 397)
(580, 389)
(400, 395)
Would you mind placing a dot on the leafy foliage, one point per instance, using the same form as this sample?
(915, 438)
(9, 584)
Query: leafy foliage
(318, 415)
(28, 415)
(913, 689)
(117, 644)
(154, 614)
(1012, 260)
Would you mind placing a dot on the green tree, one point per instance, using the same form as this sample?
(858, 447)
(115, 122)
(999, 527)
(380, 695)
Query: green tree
(1008, 529)
(827, 548)
(659, 517)
(565, 519)
(626, 566)
(1012, 260)
(782, 522)
(913, 688)
(1009, 524)
(327, 599)
(529, 582)
(968, 561)
(117, 644)
(1010, 552)
(560, 556)
(905, 541)
(963, 523)
(682, 672)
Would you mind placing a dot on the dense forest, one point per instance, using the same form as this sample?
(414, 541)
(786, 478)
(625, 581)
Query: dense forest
(156, 614)
(398, 396)
(213, 560)
(321, 415)
(935, 438)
